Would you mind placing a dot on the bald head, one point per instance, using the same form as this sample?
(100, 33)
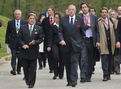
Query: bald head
(66, 12)
(119, 10)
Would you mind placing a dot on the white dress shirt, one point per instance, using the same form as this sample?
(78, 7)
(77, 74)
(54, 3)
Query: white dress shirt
(32, 26)
(73, 19)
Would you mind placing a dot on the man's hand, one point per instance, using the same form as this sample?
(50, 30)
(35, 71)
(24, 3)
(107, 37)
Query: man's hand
(63, 42)
(7, 44)
(88, 25)
(97, 44)
(48, 49)
(25, 46)
(32, 42)
(118, 45)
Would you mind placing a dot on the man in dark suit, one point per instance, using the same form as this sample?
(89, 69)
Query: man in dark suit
(12, 42)
(92, 36)
(30, 36)
(72, 36)
(46, 24)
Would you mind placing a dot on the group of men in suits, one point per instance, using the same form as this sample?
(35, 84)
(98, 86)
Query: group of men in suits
(78, 38)
(24, 38)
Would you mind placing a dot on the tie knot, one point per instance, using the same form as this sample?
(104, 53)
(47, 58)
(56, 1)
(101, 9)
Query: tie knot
(71, 18)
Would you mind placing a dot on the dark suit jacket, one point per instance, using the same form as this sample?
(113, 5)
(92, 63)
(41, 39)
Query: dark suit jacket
(46, 26)
(0, 24)
(53, 35)
(11, 36)
(39, 24)
(74, 37)
(94, 28)
(44, 13)
(25, 38)
(118, 31)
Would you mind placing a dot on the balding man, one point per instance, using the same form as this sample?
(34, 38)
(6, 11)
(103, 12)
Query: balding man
(66, 12)
(119, 11)
(72, 39)
(12, 41)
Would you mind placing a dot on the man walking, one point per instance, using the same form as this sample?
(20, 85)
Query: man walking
(30, 36)
(12, 40)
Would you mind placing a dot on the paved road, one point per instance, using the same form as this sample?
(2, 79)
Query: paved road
(45, 81)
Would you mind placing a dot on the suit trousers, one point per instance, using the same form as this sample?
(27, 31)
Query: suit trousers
(106, 62)
(67, 62)
(58, 63)
(13, 60)
(83, 63)
(50, 60)
(90, 51)
(42, 58)
(29, 67)
(117, 60)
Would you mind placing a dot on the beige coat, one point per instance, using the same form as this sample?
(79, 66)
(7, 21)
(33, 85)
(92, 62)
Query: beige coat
(103, 40)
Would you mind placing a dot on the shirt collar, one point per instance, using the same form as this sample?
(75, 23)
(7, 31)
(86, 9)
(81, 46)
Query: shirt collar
(30, 25)
(51, 16)
(72, 17)
(86, 14)
(106, 19)
(55, 24)
(18, 21)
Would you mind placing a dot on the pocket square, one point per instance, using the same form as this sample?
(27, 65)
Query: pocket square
(78, 26)
(36, 33)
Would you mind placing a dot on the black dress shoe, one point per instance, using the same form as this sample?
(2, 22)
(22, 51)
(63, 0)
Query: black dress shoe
(69, 84)
(30, 86)
(54, 77)
(51, 71)
(40, 68)
(60, 77)
(24, 78)
(18, 72)
(88, 80)
(83, 80)
(74, 84)
(13, 72)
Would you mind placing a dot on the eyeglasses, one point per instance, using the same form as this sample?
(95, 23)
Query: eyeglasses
(104, 12)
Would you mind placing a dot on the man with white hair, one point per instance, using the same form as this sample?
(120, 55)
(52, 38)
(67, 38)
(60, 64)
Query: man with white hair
(11, 40)
(71, 34)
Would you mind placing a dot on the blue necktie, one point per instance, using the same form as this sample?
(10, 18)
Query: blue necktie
(71, 23)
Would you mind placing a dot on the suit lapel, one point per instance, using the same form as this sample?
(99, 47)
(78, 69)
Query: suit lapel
(14, 26)
(68, 22)
(75, 22)
(33, 32)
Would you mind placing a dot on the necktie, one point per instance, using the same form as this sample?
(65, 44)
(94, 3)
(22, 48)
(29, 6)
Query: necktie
(71, 23)
(88, 30)
(51, 19)
(17, 27)
(30, 30)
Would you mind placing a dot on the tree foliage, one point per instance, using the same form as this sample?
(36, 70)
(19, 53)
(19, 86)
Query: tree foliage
(7, 7)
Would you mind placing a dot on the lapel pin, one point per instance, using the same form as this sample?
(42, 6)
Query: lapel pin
(76, 20)
(35, 29)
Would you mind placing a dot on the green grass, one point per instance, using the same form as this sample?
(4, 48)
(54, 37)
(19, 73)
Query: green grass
(3, 50)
